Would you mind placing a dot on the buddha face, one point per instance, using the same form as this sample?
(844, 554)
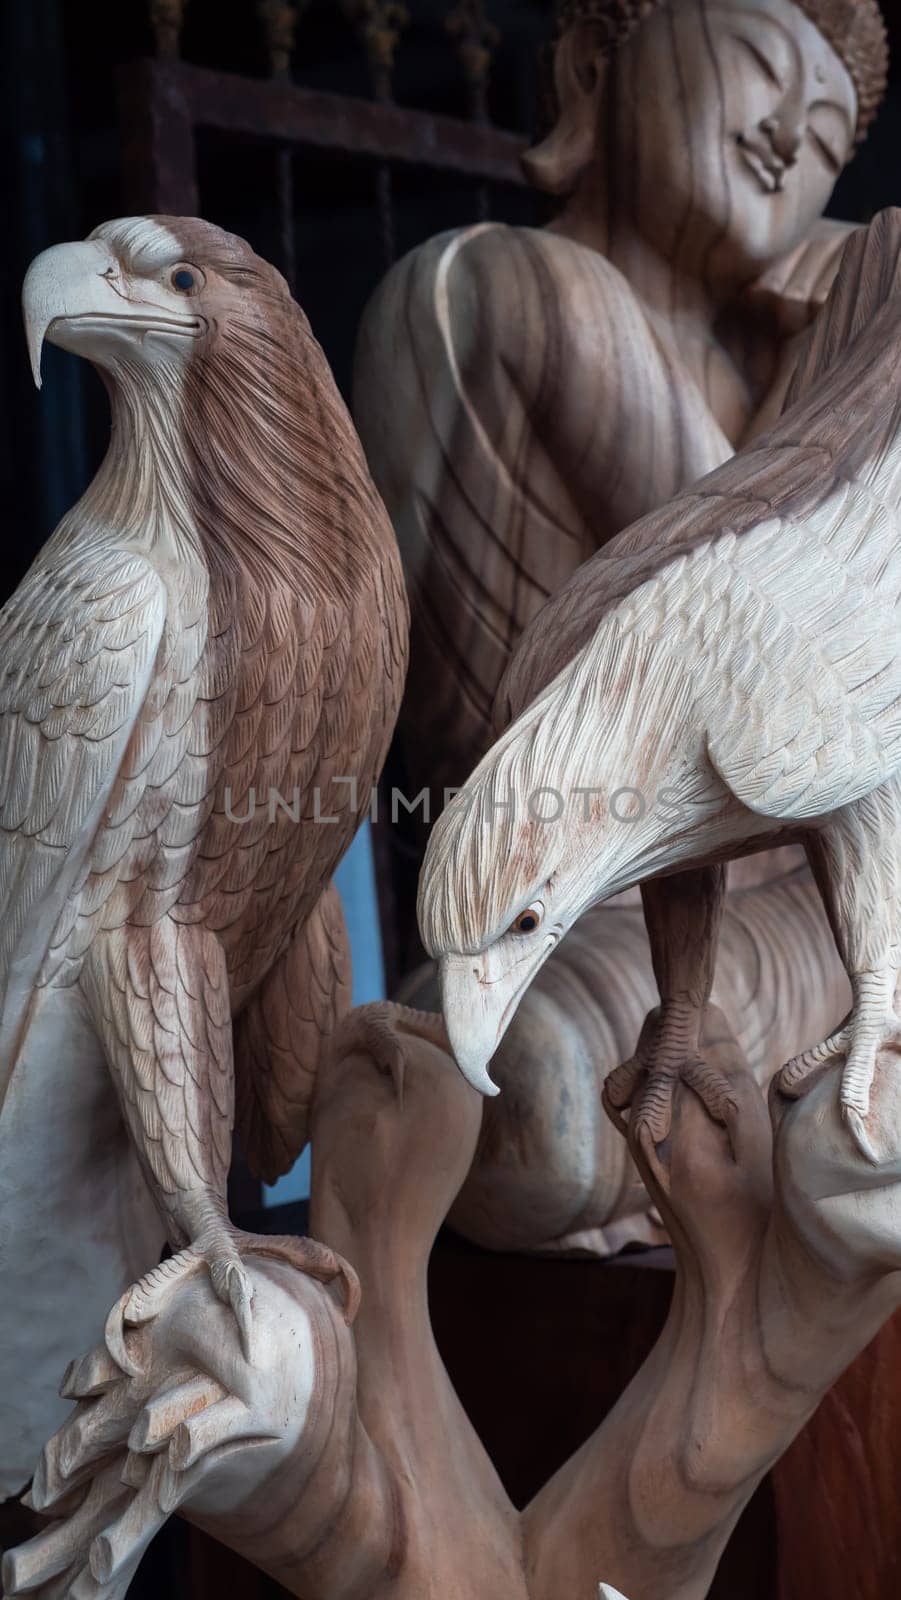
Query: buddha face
(732, 121)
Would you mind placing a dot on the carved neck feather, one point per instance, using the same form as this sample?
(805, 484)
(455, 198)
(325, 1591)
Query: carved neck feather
(245, 457)
(278, 481)
(140, 493)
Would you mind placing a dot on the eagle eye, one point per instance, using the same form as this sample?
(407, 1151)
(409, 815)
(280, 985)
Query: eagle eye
(528, 920)
(184, 279)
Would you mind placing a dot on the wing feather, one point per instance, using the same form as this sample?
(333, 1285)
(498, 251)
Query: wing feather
(838, 434)
(800, 679)
(78, 643)
(283, 1034)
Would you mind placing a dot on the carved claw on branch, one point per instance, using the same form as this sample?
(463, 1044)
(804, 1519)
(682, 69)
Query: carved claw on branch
(163, 1431)
(231, 1282)
(657, 1084)
(388, 1034)
(867, 1040)
(647, 1083)
(788, 1262)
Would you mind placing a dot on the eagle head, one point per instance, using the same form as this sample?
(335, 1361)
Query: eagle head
(218, 387)
(511, 864)
(146, 292)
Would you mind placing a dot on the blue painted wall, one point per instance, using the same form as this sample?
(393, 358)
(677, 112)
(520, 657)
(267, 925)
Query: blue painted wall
(356, 885)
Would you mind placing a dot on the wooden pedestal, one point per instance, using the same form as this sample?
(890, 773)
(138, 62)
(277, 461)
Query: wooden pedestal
(568, 1336)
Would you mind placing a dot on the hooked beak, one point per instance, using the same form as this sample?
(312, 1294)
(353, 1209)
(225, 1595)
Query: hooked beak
(479, 997)
(74, 291)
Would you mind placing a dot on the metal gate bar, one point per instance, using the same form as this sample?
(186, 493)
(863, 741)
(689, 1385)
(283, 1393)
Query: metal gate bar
(162, 103)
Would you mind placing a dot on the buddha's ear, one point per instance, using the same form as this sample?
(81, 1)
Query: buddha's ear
(580, 71)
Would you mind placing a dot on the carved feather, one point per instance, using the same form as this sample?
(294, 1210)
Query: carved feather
(283, 1035)
(797, 538)
(102, 614)
(211, 637)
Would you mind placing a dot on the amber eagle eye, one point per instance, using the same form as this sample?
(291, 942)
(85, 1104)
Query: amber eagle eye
(527, 921)
(184, 280)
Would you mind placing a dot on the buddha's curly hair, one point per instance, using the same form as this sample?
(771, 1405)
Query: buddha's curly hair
(854, 28)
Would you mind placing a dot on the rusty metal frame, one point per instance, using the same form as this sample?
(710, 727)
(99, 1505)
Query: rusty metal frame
(162, 103)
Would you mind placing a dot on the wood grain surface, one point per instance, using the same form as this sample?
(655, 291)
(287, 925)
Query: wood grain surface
(549, 387)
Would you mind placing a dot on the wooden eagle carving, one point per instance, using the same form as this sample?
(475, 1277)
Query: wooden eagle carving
(731, 665)
(199, 677)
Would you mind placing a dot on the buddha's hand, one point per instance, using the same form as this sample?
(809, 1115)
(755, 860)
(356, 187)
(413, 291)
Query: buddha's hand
(179, 1418)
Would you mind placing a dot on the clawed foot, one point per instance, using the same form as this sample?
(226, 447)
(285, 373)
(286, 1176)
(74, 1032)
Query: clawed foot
(668, 1054)
(164, 1432)
(872, 1026)
(380, 1029)
(220, 1251)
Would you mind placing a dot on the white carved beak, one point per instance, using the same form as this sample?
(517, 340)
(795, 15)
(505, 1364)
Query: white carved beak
(479, 997)
(73, 295)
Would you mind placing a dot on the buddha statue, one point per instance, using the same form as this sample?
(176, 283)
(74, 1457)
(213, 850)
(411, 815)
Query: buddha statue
(548, 387)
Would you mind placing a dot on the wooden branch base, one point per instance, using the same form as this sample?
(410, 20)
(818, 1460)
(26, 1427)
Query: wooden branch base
(606, 1316)
(823, 1523)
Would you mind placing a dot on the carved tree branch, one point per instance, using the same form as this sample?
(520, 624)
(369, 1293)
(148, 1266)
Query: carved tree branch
(342, 1461)
(779, 1286)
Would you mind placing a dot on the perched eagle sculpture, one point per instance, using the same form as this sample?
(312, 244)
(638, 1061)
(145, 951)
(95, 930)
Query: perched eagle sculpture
(723, 676)
(199, 677)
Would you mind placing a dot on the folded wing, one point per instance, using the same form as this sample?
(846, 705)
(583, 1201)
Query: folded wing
(78, 641)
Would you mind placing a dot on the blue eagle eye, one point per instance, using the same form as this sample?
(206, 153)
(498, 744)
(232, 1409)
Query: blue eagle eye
(183, 279)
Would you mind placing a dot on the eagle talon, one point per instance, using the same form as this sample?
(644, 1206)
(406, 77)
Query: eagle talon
(310, 1257)
(800, 1074)
(614, 1111)
(620, 1084)
(870, 1029)
(234, 1288)
(380, 1028)
(141, 1302)
(856, 1126)
(651, 1103)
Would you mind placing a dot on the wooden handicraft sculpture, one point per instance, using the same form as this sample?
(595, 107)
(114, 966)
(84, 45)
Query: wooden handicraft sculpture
(734, 654)
(551, 386)
(206, 656)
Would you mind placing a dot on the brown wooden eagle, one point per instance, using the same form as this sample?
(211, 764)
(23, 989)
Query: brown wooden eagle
(199, 677)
